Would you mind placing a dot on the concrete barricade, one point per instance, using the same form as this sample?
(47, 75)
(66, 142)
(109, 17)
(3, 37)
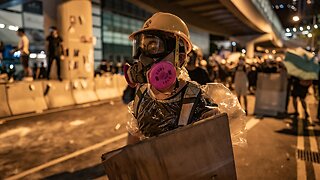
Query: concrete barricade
(26, 97)
(83, 91)
(121, 83)
(271, 94)
(4, 107)
(106, 87)
(58, 93)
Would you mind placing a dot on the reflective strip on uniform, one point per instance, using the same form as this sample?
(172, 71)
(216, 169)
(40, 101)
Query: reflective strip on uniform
(188, 101)
(185, 113)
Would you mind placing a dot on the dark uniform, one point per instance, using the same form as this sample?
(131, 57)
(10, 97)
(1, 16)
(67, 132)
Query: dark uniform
(155, 117)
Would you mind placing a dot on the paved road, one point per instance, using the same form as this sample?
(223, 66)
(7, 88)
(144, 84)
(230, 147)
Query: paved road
(68, 144)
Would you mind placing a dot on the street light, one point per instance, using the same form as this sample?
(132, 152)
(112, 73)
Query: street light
(315, 26)
(288, 34)
(295, 18)
(310, 35)
(294, 29)
(13, 28)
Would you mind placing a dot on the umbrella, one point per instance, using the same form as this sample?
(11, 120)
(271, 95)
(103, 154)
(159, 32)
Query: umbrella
(300, 63)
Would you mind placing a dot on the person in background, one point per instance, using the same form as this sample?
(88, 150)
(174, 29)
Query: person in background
(3, 69)
(318, 115)
(1, 50)
(102, 68)
(55, 51)
(119, 67)
(210, 69)
(253, 77)
(23, 47)
(318, 98)
(42, 72)
(3, 73)
(241, 82)
(196, 73)
(35, 70)
(300, 89)
(269, 66)
(223, 72)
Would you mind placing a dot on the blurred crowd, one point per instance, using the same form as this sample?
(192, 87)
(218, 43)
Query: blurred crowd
(109, 67)
(240, 74)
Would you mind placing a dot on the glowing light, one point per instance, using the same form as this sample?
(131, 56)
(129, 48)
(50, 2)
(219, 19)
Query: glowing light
(301, 28)
(281, 6)
(243, 51)
(233, 43)
(294, 29)
(267, 51)
(288, 34)
(315, 26)
(41, 55)
(288, 30)
(274, 51)
(13, 28)
(2, 26)
(16, 54)
(11, 66)
(33, 55)
(310, 35)
(308, 27)
(295, 18)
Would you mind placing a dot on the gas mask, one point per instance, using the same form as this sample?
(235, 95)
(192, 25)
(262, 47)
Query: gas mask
(152, 67)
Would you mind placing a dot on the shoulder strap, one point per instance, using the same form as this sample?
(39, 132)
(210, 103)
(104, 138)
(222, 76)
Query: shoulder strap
(189, 99)
(140, 91)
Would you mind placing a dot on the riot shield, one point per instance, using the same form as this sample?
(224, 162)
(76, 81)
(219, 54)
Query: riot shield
(202, 150)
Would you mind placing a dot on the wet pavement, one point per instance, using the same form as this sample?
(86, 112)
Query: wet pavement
(30, 142)
(69, 144)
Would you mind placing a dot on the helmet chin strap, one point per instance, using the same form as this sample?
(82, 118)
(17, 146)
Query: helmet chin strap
(176, 56)
(176, 53)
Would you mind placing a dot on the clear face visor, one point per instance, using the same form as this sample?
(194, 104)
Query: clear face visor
(150, 45)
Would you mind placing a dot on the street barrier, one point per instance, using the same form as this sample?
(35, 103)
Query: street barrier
(271, 94)
(106, 87)
(121, 83)
(58, 93)
(26, 97)
(4, 107)
(36, 96)
(199, 151)
(83, 91)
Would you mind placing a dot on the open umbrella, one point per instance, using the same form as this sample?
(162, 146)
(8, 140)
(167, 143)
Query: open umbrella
(300, 63)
